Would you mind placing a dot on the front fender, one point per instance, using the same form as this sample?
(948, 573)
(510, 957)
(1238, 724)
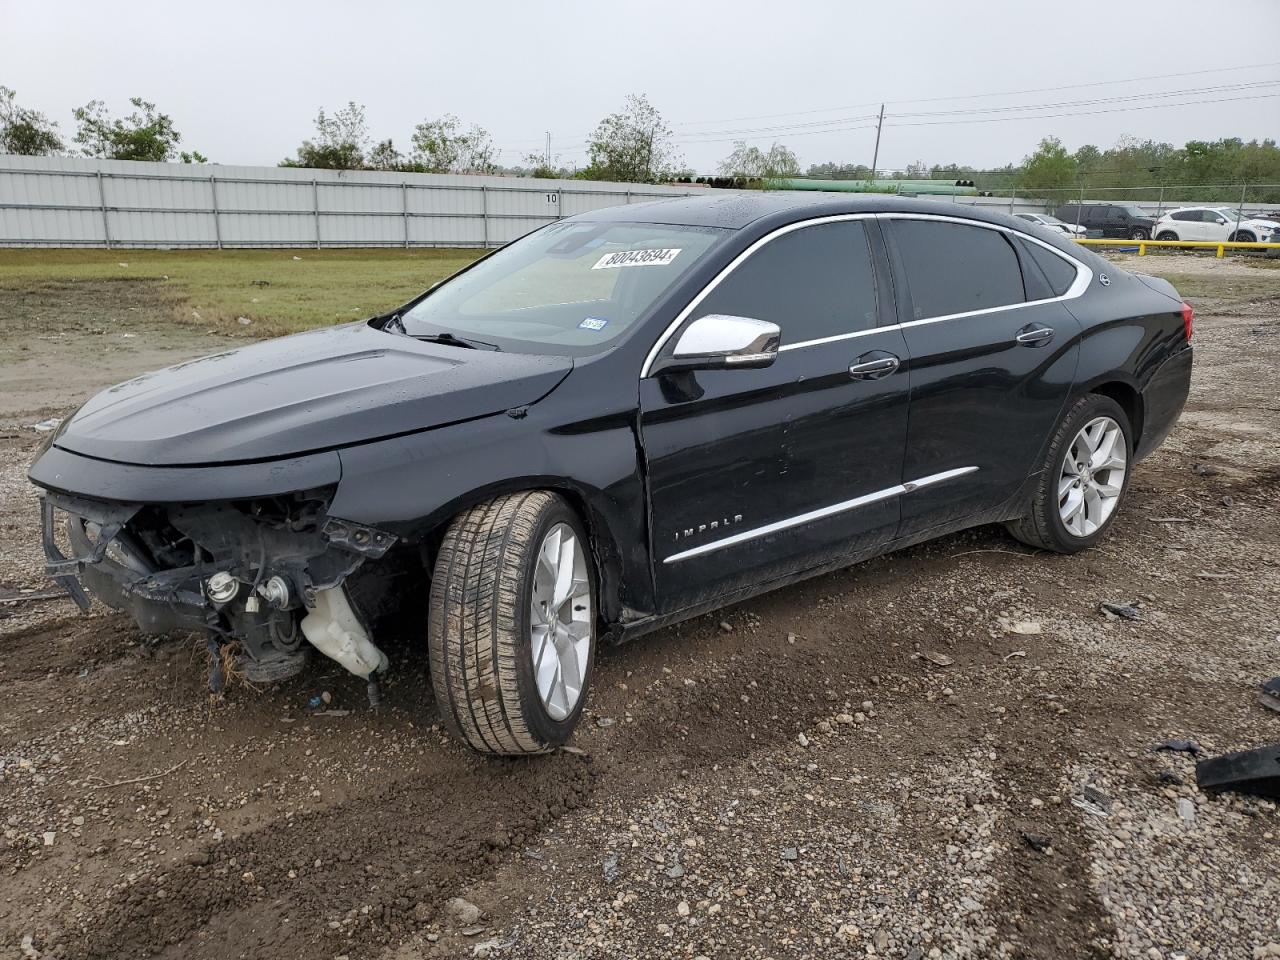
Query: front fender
(413, 485)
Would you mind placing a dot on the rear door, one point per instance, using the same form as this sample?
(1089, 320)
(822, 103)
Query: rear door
(1186, 224)
(993, 358)
(755, 474)
(1116, 224)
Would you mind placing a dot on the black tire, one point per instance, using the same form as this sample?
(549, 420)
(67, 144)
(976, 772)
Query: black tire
(478, 631)
(1140, 233)
(1243, 236)
(1041, 526)
(1167, 235)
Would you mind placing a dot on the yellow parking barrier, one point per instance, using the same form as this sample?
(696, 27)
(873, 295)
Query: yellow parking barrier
(1142, 245)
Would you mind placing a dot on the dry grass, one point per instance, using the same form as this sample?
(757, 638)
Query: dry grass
(278, 291)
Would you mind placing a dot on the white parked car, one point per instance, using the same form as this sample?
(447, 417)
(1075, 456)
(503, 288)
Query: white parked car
(1215, 223)
(1053, 223)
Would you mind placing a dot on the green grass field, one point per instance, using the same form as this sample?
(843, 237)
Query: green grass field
(280, 291)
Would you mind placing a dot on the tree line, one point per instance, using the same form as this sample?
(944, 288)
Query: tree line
(636, 145)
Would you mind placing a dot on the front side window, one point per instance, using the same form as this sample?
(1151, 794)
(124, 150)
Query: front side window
(954, 268)
(814, 282)
(567, 289)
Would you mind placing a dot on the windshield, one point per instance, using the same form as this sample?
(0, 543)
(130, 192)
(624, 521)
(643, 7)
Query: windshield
(1229, 214)
(567, 289)
(1045, 218)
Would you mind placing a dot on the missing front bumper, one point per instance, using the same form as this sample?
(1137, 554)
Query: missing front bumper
(285, 568)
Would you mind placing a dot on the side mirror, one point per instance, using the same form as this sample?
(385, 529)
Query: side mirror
(1222, 221)
(722, 342)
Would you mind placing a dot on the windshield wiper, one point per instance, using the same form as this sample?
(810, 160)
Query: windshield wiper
(451, 340)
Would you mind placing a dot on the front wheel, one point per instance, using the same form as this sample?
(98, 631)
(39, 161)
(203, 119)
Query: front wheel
(1243, 236)
(1083, 481)
(511, 632)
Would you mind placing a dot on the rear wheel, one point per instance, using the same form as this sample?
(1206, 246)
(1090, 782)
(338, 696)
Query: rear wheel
(1139, 233)
(1166, 235)
(512, 626)
(1083, 480)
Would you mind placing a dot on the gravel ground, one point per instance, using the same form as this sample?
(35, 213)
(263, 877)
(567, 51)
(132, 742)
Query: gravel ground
(943, 753)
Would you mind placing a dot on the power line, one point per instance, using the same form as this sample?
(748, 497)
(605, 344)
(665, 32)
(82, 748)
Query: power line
(978, 96)
(846, 124)
(1084, 113)
(1158, 94)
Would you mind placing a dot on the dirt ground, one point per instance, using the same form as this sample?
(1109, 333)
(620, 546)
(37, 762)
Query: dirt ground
(891, 761)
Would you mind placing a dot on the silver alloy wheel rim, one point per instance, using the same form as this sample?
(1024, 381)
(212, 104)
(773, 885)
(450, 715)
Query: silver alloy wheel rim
(560, 618)
(1092, 477)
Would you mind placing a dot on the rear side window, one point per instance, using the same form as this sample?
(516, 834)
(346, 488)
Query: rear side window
(1058, 272)
(953, 268)
(1189, 215)
(813, 282)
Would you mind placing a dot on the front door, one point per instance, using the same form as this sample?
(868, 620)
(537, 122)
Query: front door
(993, 358)
(756, 474)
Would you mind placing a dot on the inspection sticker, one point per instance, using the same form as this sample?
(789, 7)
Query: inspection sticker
(656, 257)
(593, 323)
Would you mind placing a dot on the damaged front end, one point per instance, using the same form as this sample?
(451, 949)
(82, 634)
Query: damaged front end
(274, 575)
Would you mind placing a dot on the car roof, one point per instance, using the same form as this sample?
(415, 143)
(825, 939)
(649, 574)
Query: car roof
(735, 210)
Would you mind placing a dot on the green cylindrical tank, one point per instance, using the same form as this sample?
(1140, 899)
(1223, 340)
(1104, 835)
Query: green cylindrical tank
(935, 188)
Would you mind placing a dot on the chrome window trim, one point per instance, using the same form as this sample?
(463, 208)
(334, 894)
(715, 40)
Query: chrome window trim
(733, 265)
(819, 514)
(1084, 277)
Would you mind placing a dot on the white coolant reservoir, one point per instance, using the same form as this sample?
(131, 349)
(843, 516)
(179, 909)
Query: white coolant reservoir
(333, 628)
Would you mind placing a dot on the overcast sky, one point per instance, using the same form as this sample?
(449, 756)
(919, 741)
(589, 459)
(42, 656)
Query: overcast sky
(243, 80)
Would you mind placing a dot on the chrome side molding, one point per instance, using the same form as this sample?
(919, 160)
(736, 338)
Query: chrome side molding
(867, 498)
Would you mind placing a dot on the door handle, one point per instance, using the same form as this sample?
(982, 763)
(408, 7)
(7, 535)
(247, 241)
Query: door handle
(1034, 336)
(874, 369)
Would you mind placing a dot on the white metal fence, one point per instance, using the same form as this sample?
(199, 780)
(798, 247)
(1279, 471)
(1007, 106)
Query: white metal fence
(78, 202)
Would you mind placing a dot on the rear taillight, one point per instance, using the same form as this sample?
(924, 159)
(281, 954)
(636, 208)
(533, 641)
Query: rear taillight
(1188, 320)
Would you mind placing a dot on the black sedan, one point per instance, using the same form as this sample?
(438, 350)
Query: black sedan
(623, 419)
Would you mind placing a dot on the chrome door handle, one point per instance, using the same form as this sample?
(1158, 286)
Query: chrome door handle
(1033, 336)
(874, 369)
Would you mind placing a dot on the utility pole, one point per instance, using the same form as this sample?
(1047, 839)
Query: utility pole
(548, 149)
(876, 156)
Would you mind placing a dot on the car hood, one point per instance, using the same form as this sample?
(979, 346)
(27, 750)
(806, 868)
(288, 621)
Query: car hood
(312, 391)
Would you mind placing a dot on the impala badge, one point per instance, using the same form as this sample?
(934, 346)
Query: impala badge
(720, 524)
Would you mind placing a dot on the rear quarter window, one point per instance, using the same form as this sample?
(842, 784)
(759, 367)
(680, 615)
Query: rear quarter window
(1057, 272)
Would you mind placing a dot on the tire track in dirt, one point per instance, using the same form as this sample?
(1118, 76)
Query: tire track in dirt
(394, 852)
(404, 848)
(63, 646)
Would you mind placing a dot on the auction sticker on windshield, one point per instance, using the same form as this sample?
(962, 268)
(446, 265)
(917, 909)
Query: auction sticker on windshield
(657, 257)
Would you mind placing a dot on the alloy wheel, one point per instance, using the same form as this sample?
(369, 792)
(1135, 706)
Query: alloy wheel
(560, 617)
(1092, 477)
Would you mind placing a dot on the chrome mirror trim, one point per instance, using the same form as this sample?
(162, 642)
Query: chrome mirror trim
(736, 339)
